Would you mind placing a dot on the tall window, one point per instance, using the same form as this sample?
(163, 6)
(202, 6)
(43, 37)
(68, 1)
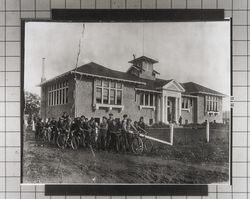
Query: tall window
(105, 96)
(108, 92)
(151, 99)
(141, 98)
(112, 96)
(119, 97)
(98, 95)
(185, 103)
(58, 93)
(211, 103)
(147, 99)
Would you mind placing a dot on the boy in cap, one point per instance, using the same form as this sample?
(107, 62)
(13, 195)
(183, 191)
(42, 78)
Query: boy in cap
(141, 123)
(113, 130)
(125, 130)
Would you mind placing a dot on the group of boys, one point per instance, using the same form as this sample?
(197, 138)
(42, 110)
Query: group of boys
(107, 129)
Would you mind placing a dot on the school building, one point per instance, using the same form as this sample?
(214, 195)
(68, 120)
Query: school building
(95, 91)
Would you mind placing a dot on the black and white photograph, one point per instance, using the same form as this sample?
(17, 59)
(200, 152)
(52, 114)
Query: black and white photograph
(127, 103)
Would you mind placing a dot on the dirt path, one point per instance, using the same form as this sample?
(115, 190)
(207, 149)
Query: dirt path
(46, 163)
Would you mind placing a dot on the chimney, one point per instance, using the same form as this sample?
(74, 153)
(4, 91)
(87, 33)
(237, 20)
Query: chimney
(43, 71)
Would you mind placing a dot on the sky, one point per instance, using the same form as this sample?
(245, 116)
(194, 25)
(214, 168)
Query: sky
(186, 51)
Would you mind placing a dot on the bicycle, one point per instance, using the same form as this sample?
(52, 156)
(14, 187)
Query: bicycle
(147, 144)
(63, 139)
(46, 134)
(136, 143)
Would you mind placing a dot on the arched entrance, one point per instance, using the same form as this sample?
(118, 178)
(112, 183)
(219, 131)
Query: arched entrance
(171, 106)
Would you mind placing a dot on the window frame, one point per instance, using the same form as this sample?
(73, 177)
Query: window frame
(185, 103)
(57, 93)
(109, 88)
(212, 103)
(142, 102)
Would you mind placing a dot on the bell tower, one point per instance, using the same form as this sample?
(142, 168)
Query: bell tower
(143, 67)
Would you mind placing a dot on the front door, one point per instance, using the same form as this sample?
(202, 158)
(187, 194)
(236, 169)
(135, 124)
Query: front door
(171, 110)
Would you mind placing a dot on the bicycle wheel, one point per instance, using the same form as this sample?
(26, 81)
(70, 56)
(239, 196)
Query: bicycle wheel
(61, 141)
(137, 145)
(148, 145)
(74, 143)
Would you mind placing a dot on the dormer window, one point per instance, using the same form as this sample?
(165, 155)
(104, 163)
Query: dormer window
(144, 67)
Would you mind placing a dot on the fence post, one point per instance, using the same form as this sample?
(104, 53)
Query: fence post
(207, 131)
(33, 125)
(172, 134)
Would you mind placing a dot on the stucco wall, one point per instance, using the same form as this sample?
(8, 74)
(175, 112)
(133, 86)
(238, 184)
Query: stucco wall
(197, 112)
(85, 92)
(86, 98)
(131, 107)
(188, 116)
(191, 115)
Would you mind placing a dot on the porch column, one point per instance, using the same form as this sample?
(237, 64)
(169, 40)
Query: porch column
(158, 108)
(166, 109)
(162, 108)
(179, 106)
(176, 110)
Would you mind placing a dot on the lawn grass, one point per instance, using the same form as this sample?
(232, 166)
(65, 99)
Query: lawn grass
(190, 145)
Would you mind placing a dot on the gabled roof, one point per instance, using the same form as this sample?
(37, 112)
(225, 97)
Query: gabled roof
(174, 86)
(143, 58)
(97, 70)
(194, 88)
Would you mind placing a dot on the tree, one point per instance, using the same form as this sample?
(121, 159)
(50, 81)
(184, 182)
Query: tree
(32, 103)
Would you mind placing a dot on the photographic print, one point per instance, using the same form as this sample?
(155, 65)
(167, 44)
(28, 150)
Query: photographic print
(127, 103)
